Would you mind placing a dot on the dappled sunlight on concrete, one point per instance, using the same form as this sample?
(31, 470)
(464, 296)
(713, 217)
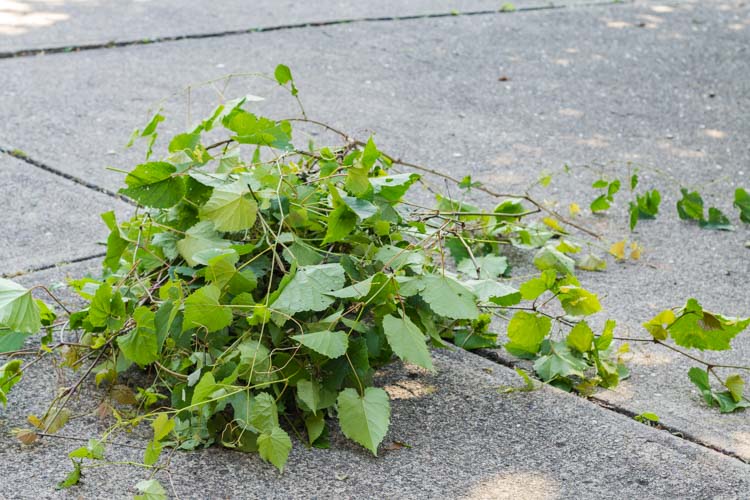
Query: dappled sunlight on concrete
(651, 358)
(409, 389)
(516, 486)
(741, 443)
(18, 17)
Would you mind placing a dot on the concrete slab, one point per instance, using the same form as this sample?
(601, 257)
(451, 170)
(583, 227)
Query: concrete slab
(660, 87)
(465, 441)
(48, 219)
(426, 82)
(37, 24)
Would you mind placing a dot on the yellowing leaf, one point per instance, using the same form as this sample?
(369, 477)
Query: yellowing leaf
(552, 223)
(618, 250)
(635, 251)
(574, 209)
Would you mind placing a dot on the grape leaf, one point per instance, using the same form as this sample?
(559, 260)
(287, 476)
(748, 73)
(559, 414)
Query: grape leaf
(407, 341)
(742, 202)
(140, 345)
(18, 310)
(690, 206)
(699, 329)
(203, 310)
(526, 332)
(492, 291)
(364, 419)
(550, 258)
(328, 343)
(559, 363)
(716, 220)
(107, 308)
(578, 302)
(447, 297)
(274, 446)
(581, 337)
(231, 208)
(307, 290)
(153, 185)
(199, 238)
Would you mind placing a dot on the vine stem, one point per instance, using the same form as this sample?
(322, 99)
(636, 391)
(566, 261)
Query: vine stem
(42, 287)
(686, 354)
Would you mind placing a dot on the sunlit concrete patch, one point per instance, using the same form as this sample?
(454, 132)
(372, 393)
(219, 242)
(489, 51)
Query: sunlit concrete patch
(570, 112)
(714, 134)
(409, 389)
(617, 24)
(17, 18)
(516, 486)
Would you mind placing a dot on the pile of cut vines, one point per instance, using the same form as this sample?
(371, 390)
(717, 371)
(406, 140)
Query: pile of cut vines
(262, 285)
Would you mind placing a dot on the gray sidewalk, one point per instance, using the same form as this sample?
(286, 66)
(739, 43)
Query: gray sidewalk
(500, 96)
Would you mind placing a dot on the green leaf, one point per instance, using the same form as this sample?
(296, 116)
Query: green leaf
(364, 419)
(742, 202)
(107, 309)
(370, 154)
(550, 258)
(204, 388)
(493, 291)
(162, 426)
(10, 375)
(716, 220)
(72, 478)
(18, 311)
(648, 204)
(231, 208)
(186, 141)
(393, 187)
(490, 266)
(12, 341)
(283, 74)
(341, 222)
(578, 302)
(699, 329)
(690, 207)
(559, 363)
(357, 179)
(526, 331)
(264, 414)
(251, 129)
(152, 452)
(274, 447)
(736, 387)
(315, 425)
(328, 343)
(140, 345)
(306, 291)
(605, 339)
(581, 337)
(203, 310)
(308, 391)
(449, 298)
(535, 287)
(154, 185)
(151, 490)
(700, 379)
(200, 238)
(407, 341)
(591, 262)
(600, 204)
(657, 326)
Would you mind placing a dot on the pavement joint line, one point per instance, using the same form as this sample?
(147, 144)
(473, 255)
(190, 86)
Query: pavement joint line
(283, 27)
(605, 405)
(45, 267)
(20, 155)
